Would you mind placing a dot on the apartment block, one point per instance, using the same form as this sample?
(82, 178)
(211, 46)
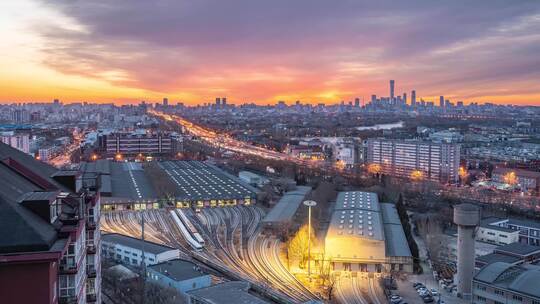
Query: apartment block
(51, 236)
(404, 158)
(133, 143)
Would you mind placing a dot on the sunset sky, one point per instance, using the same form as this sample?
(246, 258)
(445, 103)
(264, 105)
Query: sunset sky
(264, 51)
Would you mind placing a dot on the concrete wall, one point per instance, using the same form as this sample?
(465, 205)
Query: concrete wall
(354, 248)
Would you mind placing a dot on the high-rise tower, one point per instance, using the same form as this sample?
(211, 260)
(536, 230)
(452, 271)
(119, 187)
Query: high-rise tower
(391, 89)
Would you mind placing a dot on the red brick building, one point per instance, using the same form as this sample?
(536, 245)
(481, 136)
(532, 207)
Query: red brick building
(50, 238)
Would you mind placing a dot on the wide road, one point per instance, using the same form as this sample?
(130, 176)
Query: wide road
(226, 142)
(64, 158)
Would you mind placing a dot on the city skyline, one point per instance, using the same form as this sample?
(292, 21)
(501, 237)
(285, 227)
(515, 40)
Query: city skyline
(123, 52)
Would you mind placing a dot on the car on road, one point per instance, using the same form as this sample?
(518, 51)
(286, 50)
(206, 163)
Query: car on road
(434, 292)
(428, 299)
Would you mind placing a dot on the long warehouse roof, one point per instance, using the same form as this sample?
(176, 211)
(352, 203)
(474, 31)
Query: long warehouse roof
(285, 209)
(200, 181)
(194, 181)
(359, 215)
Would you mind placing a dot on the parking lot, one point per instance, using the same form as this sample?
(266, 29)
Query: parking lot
(409, 294)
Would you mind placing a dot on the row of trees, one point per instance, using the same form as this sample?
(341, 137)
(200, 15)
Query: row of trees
(404, 218)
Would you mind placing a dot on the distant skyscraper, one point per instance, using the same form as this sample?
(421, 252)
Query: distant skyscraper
(357, 102)
(441, 101)
(218, 101)
(373, 98)
(413, 98)
(165, 101)
(391, 89)
(404, 98)
(224, 101)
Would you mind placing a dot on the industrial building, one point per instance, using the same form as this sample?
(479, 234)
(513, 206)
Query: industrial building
(225, 293)
(50, 246)
(514, 253)
(437, 162)
(495, 234)
(284, 211)
(178, 274)
(184, 184)
(366, 236)
(122, 185)
(129, 250)
(200, 185)
(505, 283)
(529, 231)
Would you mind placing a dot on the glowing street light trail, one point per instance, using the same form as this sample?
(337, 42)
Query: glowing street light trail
(224, 141)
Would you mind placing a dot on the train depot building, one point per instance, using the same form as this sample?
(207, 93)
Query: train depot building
(180, 184)
(366, 236)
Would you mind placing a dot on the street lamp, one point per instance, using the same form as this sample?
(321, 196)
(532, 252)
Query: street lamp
(309, 204)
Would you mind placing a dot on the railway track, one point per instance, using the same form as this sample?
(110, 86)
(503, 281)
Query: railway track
(232, 236)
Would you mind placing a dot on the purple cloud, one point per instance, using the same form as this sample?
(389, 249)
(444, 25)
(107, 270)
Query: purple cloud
(299, 46)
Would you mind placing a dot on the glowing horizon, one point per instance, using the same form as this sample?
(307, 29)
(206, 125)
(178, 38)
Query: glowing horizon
(314, 51)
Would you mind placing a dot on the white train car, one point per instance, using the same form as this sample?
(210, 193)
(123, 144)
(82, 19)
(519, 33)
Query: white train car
(196, 235)
(187, 235)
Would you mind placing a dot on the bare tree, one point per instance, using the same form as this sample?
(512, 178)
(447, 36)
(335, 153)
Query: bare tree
(165, 187)
(298, 246)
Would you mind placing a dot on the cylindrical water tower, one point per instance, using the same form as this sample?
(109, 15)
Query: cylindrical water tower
(467, 218)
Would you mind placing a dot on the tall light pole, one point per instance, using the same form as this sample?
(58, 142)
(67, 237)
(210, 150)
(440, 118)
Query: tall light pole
(309, 204)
